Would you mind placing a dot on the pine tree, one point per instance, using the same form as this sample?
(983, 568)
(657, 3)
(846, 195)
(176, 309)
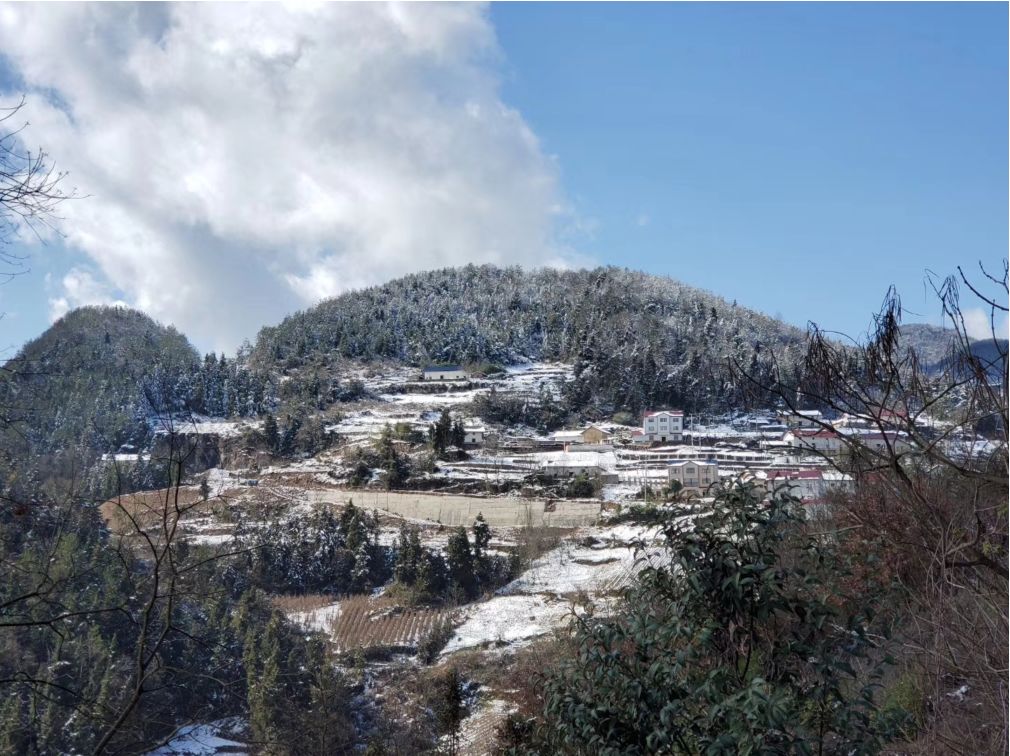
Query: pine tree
(449, 707)
(481, 561)
(361, 574)
(271, 433)
(460, 562)
(409, 555)
(458, 435)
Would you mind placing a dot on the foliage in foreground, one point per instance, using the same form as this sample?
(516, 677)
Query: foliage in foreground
(741, 643)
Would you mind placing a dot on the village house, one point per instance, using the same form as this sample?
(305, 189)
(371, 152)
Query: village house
(443, 373)
(662, 425)
(692, 474)
(564, 465)
(815, 440)
(590, 435)
(802, 419)
(596, 435)
(810, 486)
(880, 442)
(473, 435)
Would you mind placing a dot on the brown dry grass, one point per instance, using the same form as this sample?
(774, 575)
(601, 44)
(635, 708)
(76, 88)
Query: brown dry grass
(366, 622)
(148, 507)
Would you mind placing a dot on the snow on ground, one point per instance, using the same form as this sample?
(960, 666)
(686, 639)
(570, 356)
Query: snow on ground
(478, 729)
(440, 400)
(569, 569)
(598, 561)
(508, 620)
(210, 539)
(320, 619)
(202, 740)
(219, 480)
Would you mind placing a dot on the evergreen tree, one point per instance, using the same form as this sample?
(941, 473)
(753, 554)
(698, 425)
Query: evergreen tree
(409, 555)
(745, 641)
(432, 576)
(440, 432)
(458, 436)
(482, 567)
(271, 433)
(459, 559)
(449, 707)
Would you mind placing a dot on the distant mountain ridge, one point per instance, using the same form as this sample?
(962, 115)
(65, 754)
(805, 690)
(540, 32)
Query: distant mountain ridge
(933, 344)
(635, 341)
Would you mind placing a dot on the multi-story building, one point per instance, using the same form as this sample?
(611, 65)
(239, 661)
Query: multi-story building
(693, 474)
(663, 425)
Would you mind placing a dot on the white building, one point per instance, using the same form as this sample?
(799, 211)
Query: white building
(819, 441)
(565, 465)
(802, 419)
(693, 474)
(881, 442)
(443, 373)
(663, 425)
(473, 435)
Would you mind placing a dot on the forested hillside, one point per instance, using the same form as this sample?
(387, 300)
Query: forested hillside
(84, 378)
(636, 340)
(95, 378)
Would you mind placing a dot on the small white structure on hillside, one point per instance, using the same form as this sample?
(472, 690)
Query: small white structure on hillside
(443, 373)
(663, 425)
(693, 474)
(474, 435)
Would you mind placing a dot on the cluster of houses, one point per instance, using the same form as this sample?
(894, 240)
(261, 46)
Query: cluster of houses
(694, 468)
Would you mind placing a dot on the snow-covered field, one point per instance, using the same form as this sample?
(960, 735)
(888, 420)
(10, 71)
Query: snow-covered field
(595, 563)
(320, 619)
(203, 740)
(508, 620)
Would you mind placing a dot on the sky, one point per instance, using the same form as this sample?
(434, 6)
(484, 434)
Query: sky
(235, 163)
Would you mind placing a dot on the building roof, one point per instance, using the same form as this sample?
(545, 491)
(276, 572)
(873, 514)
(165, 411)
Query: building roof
(441, 368)
(814, 433)
(699, 462)
(675, 413)
(567, 435)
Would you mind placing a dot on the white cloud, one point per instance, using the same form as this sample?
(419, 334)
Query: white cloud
(978, 323)
(79, 287)
(242, 161)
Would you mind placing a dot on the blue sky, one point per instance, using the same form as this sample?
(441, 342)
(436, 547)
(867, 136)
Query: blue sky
(797, 158)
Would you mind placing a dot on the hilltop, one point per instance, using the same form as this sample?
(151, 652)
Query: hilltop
(634, 339)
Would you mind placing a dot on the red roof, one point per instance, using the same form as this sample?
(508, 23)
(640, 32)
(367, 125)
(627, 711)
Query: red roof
(815, 433)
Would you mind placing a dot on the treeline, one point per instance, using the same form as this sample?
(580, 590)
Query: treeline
(467, 569)
(636, 340)
(319, 553)
(105, 651)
